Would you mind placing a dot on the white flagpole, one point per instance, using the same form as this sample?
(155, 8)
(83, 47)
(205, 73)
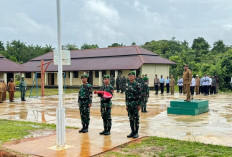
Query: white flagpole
(60, 111)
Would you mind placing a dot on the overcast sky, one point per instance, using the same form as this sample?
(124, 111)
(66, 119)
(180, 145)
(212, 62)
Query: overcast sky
(104, 22)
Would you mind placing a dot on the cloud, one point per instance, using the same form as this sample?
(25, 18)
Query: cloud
(21, 26)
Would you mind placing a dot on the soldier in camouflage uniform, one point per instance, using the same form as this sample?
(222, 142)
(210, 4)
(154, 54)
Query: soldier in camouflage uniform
(112, 81)
(23, 88)
(140, 79)
(145, 94)
(122, 83)
(133, 104)
(85, 101)
(106, 106)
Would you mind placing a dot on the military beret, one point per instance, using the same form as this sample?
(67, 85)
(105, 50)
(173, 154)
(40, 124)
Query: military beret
(84, 76)
(132, 73)
(106, 76)
(145, 78)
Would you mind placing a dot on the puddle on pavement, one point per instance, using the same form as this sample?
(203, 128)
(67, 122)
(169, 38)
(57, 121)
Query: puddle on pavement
(154, 122)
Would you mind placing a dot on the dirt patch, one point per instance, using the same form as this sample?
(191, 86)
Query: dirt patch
(9, 153)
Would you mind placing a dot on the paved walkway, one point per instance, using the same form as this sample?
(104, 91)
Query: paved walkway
(214, 127)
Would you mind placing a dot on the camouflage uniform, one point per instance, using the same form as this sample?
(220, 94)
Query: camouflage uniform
(112, 81)
(84, 99)
(106, 108)
(145, 95)
(22, 88)
(122, 83)
(118, 83)
(133, 101)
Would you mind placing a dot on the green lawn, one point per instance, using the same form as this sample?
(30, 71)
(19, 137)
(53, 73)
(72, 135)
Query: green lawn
(48, 92)
(14, 130)
(165, 147)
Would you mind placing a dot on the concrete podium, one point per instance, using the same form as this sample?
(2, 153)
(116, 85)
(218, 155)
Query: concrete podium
(192, 108)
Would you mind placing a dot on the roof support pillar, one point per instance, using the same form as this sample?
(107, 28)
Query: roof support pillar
(5, 77)
(71, 78)
(100, 77)
(116, 75)
(46, 78)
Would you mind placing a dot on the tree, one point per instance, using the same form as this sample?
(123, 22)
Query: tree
(219, 47)
(200, 46)
(87, 46)
(133, 43)
(2, 48)
(70, 47)
(116, 45)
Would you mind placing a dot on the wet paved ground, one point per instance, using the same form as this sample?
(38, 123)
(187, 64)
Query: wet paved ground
(214, 127)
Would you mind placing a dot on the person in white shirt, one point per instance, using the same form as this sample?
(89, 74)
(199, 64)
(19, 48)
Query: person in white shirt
(205, 83)
(180, 84)
(192, 86)
(210, 85)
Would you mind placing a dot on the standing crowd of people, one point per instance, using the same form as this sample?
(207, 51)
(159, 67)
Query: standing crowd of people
(10, 87)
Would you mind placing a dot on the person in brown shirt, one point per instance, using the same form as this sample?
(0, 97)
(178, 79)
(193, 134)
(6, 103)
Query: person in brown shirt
(11, 90)
(156, 84)
(187, 78)
(172, 84)
(1, 90)
(5, 89)
(198, 80)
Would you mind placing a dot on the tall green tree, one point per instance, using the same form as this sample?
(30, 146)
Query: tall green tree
(89, 46)
(70, 47)
(116, 45)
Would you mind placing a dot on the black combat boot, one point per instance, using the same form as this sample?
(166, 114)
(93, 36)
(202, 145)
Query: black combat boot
(132, 129)
(145, 108)
(107, 131)
(80, 131)
(86, 128)
(103, 132)
(136, 134)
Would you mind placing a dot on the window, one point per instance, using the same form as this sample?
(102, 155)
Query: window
(112, 72)
(28, 75)
(38, 75)
(103, 73)
(75, 74)
(96, 74)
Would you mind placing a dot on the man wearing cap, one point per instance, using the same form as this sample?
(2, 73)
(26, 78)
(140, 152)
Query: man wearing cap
(85, 102)
(122, 83)
(133, 104)
(140, 79)
(172, 84)
(106, 106)
(145, 94)
(11, 90)
(156, 84)
(187, 78)
(22, 88)
(198, 81)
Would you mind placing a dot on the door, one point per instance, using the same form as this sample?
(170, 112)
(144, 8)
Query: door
(90, 79)
(51, 79)
(9, 76)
